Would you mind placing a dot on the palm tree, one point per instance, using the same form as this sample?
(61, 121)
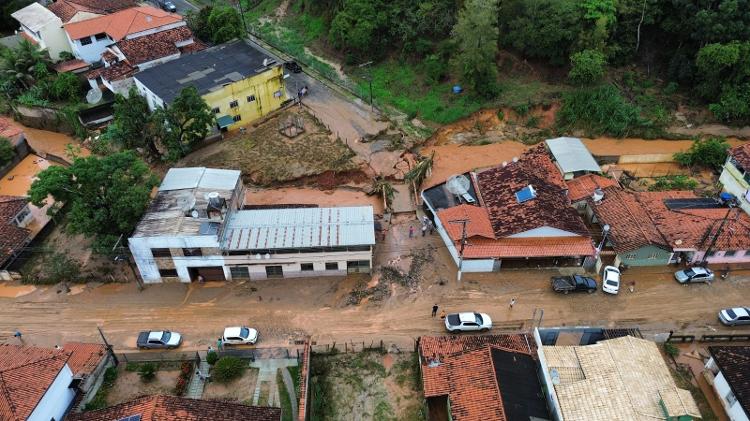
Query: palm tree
(421, 170)
(23, 65)
(381, 186)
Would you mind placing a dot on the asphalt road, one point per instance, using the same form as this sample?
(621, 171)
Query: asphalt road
(183, 6)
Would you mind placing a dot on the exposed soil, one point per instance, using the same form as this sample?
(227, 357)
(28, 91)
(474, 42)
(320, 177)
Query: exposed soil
(310, 196)
(129, 385)
(265, 156)
(240, 390)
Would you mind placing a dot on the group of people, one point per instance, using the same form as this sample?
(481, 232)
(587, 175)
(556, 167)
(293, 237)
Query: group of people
(427, 226)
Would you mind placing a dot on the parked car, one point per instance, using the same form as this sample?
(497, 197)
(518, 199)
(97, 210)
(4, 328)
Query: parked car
(575, 283)
(694, 274)
(611, 280)
(156, 339)
(167, 5)
(467, 322)
(239, 335)
(293, 67)
(735, 316)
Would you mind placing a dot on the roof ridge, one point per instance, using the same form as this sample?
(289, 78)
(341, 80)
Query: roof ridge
(488, 349)
(653, 222)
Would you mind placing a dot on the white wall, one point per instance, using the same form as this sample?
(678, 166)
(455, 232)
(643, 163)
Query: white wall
(544, 232)
(469, 265)
(55, 39)
(290, 263)
(141, 249)
(733, 185)
(734, 412)
(153, 100)
(121, 86)
(90, 53)
(549, 387)
(57, 400)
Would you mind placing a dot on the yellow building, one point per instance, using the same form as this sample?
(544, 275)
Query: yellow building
(238, 82)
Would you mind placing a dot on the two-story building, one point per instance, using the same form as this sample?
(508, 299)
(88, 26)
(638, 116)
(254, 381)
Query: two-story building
(90, 38)
(43, 28)
(196, 229)
(238, 82)
(735, 177)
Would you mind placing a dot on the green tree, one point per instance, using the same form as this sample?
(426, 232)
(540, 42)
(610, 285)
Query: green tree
(107, 196)
(476, 35)
(228, 368)
(183, 123)
(358, 28)
(65, 87)
(6, 151)
(587, 67)
(20, 67)
(131, 126)
(709, 153)
(224, 24)
(198, 22)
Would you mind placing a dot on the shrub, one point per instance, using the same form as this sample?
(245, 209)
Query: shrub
(671, 350)
(186, 370)
(673, 182)
(147, 371)
(522, 109)
(212, 357)
(500, 115)
(228, 368)
(435, 68)
(532, 122)
(6, 151)
(600, 110)
(587, 67)
(710, 153)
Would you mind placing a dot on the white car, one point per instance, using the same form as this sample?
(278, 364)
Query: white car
(468, 322)
(735, 316)
(611, 280)
(239, 335)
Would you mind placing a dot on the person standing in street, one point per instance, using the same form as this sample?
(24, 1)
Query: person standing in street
(424, 229)
(512, 302)
(219, 345)
(434, 310)
(411, 231)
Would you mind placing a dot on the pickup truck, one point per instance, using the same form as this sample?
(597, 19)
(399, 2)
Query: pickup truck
(575, 283)
(163, 339)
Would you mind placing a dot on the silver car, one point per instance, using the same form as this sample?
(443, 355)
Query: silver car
(693, 275)
(735, 316)
(467, 322)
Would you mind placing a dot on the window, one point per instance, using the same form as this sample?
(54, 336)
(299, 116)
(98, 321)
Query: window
(85, 41)
(21, 217)
(711, 254)
(654, 255)
(216, 110)
(358, 266)
(274, 272)
(332, 265)
(234, 104)
(168, 273)
(730, 398)
(630, 256)
(730, 253)
(251, 98)
(192, 252)
(277, 94)
(100, 37)
(161, 253)
(306, 267)
(239, 272)
(237, 117)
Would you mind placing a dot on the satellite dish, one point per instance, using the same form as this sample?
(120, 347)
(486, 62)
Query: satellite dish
(93, 96)
(195, 214)
(458, 185)
(186, 202)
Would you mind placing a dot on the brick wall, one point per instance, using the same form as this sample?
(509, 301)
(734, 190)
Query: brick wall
(303, 409)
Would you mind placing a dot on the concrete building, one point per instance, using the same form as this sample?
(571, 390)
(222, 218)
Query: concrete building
(735, 177)
(196, 227)
(42, 28)
(238, 82)
(727, 371)
(90, 38)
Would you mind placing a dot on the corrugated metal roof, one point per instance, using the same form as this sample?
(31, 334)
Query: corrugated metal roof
(199, 177)
(572, 155)
(299, 228)
(35, 16)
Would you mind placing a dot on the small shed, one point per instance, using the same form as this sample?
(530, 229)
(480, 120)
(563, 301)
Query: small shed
(572, 157)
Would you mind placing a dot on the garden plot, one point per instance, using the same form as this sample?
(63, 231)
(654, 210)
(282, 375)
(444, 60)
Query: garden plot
(131, 384)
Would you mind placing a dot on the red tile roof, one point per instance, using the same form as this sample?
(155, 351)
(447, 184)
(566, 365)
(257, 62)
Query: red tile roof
(154, 46)
(120, 24)
(12, 237)
(70, 65)
(529, 247)
(641, 218)
(440, 347)
(25, 375)
(734, 363)
(550, 208)
(479, 222)
(741, 155)
(66, 9)
(173, 408)
(85, 357)
(583, 187)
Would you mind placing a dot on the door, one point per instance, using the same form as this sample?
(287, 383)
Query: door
(215, 273)
(274, 272)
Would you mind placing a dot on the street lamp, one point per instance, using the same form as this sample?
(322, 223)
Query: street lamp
(369, 79)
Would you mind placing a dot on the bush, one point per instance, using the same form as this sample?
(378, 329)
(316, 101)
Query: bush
(186, 370)
(6, 151)
(673, 182)
(212, 357)
(147, 372)
(587, 67)
(228, 369)
(709, 153)
(671, 350)
(435, 68)
(600, 110)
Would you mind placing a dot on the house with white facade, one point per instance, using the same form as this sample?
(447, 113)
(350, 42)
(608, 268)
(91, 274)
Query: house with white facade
(728, 371)
(735, 177)
(41, 384)
(90, 38)
(43, 28)
(196, 228)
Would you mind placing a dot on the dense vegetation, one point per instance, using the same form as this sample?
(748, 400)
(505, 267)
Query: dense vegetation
(421, 47)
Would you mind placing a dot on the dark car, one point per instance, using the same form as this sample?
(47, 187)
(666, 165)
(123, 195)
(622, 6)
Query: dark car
(167, 5)
(293, 67)
(575, 283)
(159, 339)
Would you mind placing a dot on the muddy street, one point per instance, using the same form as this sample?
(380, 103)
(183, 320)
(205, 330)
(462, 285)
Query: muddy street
(287, 309)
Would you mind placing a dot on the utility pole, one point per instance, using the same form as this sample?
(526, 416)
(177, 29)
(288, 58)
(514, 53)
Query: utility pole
(109, 347)
(126, 259)
(463, 223)
(369, 79)
(242, 16)
(711, 245)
